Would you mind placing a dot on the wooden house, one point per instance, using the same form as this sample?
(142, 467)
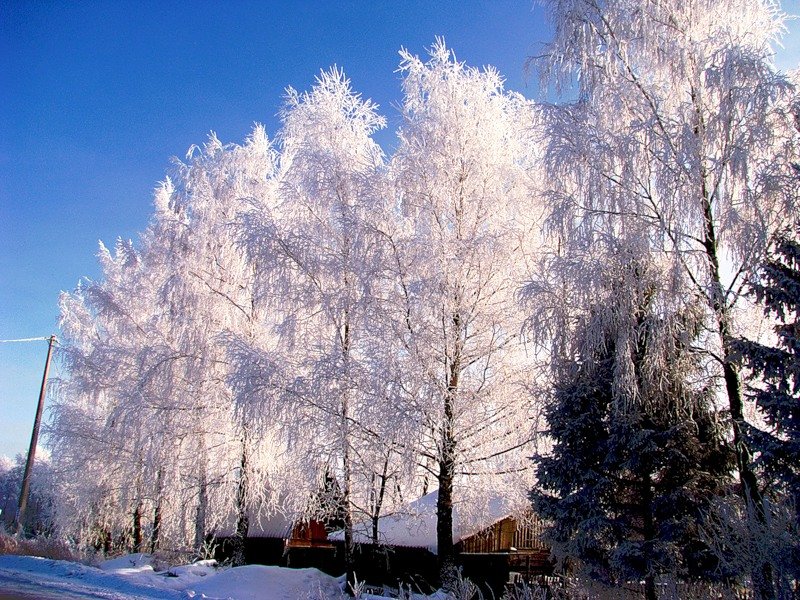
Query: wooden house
(494, 545)
(509, 550)
(279, 540)
(308, 534)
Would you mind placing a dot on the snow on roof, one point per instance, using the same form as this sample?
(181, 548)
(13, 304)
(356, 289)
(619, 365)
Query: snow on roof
(277, 525)
(415, 527)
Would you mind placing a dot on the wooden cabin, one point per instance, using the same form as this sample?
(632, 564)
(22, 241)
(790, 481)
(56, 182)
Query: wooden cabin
(494, 547)
(308, 534)
(279, 540)
(307, 545)
(509, 550)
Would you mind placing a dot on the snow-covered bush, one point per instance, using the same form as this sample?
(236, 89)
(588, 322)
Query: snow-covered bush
(43, 546)
(39, 513)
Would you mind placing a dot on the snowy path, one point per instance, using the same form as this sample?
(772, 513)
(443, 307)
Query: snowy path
(14, 588)
(27, 577)
(133, 578)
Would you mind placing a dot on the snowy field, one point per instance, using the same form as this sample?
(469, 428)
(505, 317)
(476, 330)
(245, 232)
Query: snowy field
(133, 578)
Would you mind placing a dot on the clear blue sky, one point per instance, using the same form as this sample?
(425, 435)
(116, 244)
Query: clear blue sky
(95, 97)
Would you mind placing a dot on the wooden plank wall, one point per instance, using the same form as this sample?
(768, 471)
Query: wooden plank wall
(525, 534)
(528, 534)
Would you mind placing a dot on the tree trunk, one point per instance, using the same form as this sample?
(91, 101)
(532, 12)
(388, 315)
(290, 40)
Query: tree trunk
(136, 528)
(106, 544)
(154, 534)
(444, 525)
(349, 562)
(378, 503)
(238, 557)
(649, 531)
(447, 458)
(762, 573)
(200, 514)
(344, 426)
(156, 527)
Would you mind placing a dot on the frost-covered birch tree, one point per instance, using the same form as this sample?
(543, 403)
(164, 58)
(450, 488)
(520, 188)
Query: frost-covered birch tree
(317, 260)
(463, 182)
(99, 448)
(683, 129)
(146, 349)
(213, 277)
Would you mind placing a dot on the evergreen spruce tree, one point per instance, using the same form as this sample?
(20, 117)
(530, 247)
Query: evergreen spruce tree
(628, 478)
(775, 378)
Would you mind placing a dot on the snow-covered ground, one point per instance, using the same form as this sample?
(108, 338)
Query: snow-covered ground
(133, 578)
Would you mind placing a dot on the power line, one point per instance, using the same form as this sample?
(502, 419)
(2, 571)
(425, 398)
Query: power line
(35, 339)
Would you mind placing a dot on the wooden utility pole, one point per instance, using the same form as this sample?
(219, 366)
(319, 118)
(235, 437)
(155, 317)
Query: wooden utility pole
(26, 479)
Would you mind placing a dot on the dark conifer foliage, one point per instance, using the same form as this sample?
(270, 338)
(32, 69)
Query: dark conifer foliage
(626, 483)
(775, 368)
